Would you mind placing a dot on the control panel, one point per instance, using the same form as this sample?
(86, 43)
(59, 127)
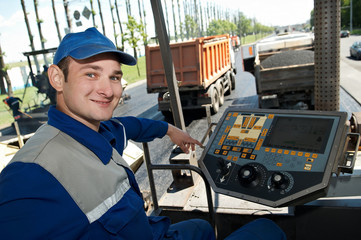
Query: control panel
(274, 157)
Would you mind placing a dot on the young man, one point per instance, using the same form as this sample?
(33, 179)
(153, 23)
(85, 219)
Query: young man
(69, 181)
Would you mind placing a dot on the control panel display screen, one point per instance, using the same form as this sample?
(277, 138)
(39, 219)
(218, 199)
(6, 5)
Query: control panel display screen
(299, 133)
(273, 156)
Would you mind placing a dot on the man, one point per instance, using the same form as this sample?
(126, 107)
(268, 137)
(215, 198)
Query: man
(14, 104)
(69, 181)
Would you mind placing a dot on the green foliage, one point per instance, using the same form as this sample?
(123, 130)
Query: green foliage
(133, 37)
(346, 11)
(190, 26)
(218, 27)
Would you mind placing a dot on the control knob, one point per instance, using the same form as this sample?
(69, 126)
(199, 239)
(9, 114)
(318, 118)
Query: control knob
(279, 180)
(248, 176)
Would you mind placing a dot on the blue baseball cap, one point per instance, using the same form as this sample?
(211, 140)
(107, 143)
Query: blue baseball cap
(91, 42)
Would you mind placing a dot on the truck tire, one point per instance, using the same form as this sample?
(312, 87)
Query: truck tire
(220, 92)
(233, 80)
(229, 83)
(215, 100)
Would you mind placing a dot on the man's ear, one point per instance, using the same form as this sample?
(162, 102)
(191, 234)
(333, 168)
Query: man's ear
(56, 77)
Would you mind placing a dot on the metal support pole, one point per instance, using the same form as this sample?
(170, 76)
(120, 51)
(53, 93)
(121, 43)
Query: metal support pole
(150, 167)
(20, 138)
(327, 55)
(168, 64)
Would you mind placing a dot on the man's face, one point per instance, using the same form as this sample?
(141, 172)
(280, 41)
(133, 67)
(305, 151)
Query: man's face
(92, 90)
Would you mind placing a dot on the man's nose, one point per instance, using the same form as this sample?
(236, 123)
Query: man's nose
(105, 87)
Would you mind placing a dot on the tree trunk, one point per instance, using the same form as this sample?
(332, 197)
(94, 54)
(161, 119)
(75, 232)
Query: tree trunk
(174, 23)
(115, 33)
(42, 39)
(68, 21)
(120, 26)
(145, 23)
(93, 13)
(56, 21)
(144, 36)
(4, 75)
(166, 17)
(30, 35)
(180, 22)
(101, 16)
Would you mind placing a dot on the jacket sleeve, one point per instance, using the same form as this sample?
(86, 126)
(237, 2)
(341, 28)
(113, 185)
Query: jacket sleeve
(142, 129)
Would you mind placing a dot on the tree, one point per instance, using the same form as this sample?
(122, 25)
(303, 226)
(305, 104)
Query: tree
(30, 34)
(4, 75)
(120, 26)
(39, 22)
(114, 32)
(68, 21)
(180, 22)
(166, 18)
(191, 27)
(218, 27)
(133, 36)
(101, 16)
(93, 13)
(142, 32)
(56, 21)
(174, 23)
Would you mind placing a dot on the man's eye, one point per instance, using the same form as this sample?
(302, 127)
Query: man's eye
(116, 78)
(91, 75)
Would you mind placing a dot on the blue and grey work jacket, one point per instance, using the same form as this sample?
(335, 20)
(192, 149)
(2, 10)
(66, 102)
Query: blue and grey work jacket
(75, 185)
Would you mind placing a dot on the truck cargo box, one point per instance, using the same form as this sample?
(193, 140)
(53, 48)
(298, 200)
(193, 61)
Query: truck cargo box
(287, 78)
(198, 63)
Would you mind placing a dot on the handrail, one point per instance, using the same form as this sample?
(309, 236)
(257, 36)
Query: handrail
(150, 167)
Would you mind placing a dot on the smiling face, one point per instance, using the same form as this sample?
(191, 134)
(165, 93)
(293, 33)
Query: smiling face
(92, 90)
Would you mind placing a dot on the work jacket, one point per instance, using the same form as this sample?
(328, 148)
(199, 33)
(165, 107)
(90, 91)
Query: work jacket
(70, 182)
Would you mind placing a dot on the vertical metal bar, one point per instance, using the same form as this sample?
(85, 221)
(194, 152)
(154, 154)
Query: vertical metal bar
(168, 64)
(148, 166)
(327, 54)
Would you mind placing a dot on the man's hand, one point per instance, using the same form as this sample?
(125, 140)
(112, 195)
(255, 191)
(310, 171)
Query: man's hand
(182, 139)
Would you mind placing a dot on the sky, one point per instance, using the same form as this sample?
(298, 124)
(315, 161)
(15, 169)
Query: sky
(14, 38)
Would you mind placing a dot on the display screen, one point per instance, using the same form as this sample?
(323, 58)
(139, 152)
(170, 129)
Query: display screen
(298, 133)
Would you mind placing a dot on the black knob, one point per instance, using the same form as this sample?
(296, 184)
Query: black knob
(248, 175)
(224, 167)
(279, 180)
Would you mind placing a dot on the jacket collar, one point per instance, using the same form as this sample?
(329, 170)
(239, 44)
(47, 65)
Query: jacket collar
(98, 142)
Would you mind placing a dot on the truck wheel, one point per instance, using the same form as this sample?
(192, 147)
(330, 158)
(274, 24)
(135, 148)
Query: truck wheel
(215, 101)
(229, 83)
(220, 92)
(233, 80)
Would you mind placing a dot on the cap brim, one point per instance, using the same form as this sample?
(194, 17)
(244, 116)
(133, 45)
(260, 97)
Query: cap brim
(94, 49)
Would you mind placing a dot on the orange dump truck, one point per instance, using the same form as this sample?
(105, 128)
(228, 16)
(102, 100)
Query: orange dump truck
(203, 68)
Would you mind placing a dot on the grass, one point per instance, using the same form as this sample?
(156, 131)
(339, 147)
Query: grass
(31, 99)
